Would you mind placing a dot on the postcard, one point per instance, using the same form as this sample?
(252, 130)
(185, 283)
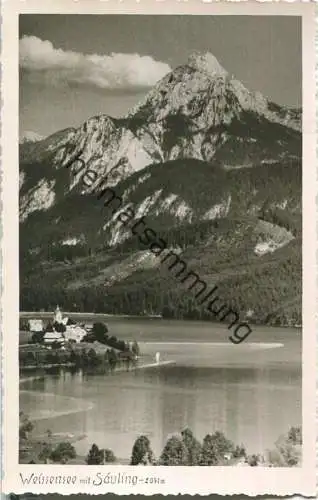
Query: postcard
(158, 248)
(52, 496)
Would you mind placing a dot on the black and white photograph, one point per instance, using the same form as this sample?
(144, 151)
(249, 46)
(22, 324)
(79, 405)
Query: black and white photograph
(160, 240)
(158, 251)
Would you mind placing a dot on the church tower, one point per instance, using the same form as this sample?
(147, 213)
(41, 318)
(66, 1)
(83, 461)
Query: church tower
(58, 315)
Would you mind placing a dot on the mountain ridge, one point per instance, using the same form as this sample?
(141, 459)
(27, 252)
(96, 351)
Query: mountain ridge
(200, 151)
(201, 114)
(30, 136)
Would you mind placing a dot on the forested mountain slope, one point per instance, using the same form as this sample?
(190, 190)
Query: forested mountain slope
(216, 172)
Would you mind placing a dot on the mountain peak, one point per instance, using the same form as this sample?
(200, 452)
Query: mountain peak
(30, 136)
(207, 63)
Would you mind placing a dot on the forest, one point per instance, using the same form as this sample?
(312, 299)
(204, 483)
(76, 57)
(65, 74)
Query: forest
(221, 250)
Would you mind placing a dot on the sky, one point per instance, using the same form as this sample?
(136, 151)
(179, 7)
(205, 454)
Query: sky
(73, 67)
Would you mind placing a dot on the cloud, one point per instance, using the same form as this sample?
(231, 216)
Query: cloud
(42, 63)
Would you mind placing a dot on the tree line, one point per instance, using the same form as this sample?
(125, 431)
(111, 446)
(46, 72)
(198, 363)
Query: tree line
(180, 449)
(217, 449)
(264, 289)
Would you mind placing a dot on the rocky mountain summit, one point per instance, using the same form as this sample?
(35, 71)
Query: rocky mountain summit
(214, 166)
(204, 83)
(196, 111)
(29, 136)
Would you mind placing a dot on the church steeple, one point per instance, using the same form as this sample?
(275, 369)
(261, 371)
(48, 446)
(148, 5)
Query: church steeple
(58, 315)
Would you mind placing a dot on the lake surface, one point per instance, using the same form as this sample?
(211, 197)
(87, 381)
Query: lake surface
(251, 391)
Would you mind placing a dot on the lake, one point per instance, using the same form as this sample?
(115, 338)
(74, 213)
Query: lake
(250, 391)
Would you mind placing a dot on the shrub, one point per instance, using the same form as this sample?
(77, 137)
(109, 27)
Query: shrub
(141, 452)
(37, 337)
(95, 456)
(63, 452)
(109, 456)
(193, 446)
(214, 448)
(175, 452)
(100, 331)
(59, 327)
(25, 426)
(24, 325)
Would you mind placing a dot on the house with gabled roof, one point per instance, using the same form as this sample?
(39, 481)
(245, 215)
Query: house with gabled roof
(52, 337)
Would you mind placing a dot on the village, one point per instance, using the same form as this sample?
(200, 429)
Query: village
(64, 342)
(60, 330)
(61, 344)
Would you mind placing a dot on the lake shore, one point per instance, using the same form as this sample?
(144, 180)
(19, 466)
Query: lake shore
(89, 317)
(213, 384)
(118, 369)
(83, 315)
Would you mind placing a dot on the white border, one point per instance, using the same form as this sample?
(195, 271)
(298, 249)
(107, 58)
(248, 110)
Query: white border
(190, 480)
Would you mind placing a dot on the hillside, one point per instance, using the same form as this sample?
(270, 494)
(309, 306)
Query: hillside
(216, 172)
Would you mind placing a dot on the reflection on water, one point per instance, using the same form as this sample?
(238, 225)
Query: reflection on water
(252, 406)
(250, 393)
(46, 405)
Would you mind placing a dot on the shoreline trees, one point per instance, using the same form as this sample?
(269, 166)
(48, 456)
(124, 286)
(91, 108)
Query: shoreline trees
(216, 449)
(182, 449)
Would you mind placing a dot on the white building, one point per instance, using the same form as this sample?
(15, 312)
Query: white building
(75, 333)
(36, 325)
(58, 318)
(51, 337)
